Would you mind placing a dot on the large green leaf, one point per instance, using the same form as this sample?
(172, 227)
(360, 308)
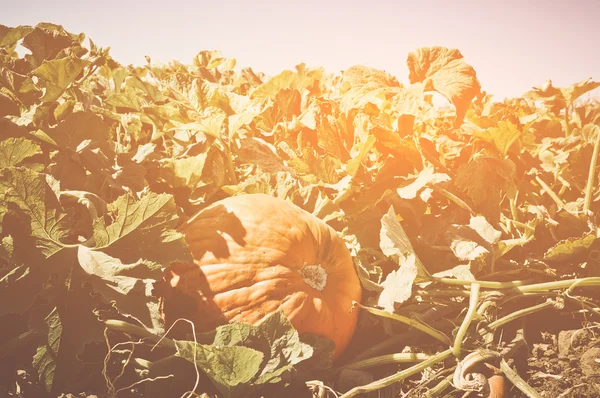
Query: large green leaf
(31, 193)
(243, 357)
(142, 228)
(128, 286)
(14, 150)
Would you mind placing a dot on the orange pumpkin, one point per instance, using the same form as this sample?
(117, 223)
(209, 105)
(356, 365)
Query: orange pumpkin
(254, 255)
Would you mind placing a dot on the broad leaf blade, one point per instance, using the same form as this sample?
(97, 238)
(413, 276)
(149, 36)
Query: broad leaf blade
(31, 193)
(15, 150)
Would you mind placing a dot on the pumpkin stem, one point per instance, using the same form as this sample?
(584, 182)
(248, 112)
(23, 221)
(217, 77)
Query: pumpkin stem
(314, 276)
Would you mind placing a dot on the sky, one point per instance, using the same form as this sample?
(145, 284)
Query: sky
(512, 45)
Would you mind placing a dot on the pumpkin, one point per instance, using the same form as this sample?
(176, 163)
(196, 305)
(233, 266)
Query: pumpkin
(254, 255)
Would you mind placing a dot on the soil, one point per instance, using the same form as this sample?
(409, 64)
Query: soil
(560, 361)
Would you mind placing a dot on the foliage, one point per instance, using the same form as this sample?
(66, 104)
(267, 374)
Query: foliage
(101, 162)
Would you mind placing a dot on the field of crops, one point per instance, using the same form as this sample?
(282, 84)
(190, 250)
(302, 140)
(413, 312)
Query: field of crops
(472, 224)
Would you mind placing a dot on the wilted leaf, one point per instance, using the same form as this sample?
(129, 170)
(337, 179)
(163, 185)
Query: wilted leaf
(397, 286)
(468, 250)
(394, 242)
(426, 177)
(461, 272)
(209, 59)
(480, 225)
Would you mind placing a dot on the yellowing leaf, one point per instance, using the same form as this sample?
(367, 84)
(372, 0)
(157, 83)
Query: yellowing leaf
(395, 244)
(426, 177)
(480, 225)
(185, 172)
(397, 286)
(286, 79)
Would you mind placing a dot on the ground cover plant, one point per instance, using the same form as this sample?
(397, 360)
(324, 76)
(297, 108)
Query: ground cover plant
(473, 226)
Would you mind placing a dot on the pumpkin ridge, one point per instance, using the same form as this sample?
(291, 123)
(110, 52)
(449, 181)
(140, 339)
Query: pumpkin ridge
(275, 288)
(290, 276)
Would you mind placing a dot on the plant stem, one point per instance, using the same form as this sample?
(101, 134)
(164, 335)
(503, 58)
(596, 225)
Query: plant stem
(453, 198)
(429, 316)
(386, 360)
(522, 287)
(128, 328)
(409, 321)
(440, 387)
(550, 192)
(484, 284)
(397, 377)
(517, 314)
(471, 313)
(567, 128)
(567, 283)
(589, 188)
(517, 380)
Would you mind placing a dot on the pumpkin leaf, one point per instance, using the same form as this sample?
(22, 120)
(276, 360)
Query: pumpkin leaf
(243, 357)
(142, 228)
(445, 71)
(395, 243)
(569, 248)
(425, 178)
(128, 286)
(44, 360)
(58, 74)
(484, 229)
(229, 368)
(15, 150)
(30, 192)
(397, 286)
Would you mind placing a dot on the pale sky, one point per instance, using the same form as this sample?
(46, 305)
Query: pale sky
(512, 44)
